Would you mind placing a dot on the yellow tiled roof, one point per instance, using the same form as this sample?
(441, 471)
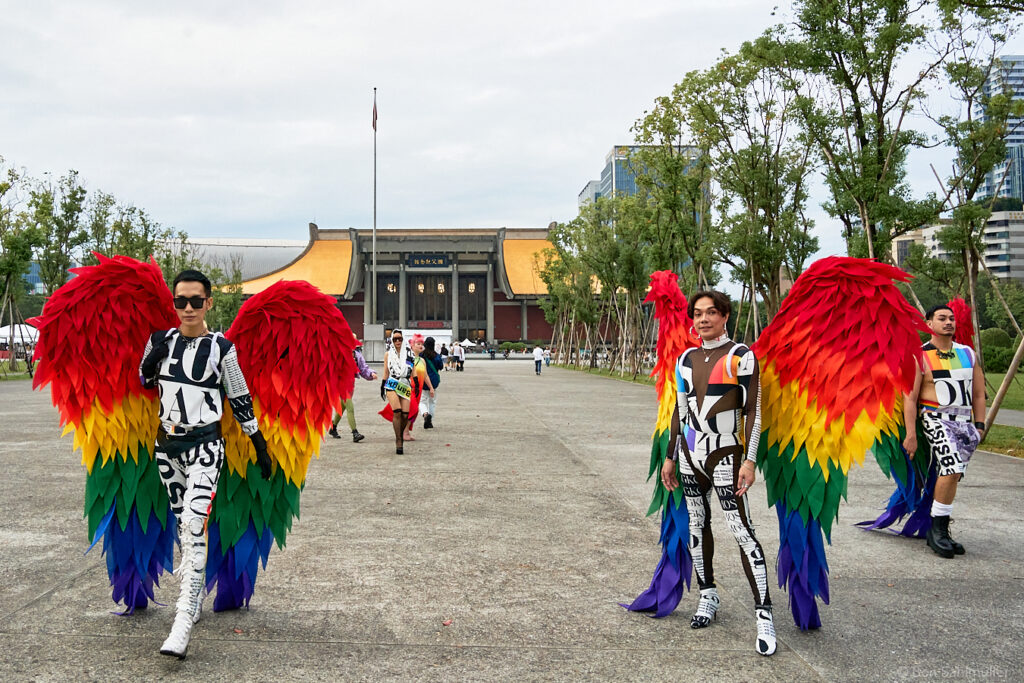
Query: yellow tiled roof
(522, 264)
(325, 265)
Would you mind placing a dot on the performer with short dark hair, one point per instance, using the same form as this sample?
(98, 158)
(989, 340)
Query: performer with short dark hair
(949, 388)
(718, 385)
(195, 370)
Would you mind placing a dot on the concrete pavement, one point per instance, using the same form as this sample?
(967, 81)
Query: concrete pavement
(521, 520)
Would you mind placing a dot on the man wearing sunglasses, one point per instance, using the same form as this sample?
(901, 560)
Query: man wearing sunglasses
(195, 370)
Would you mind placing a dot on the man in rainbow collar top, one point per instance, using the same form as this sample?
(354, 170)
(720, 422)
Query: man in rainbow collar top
(949, 388)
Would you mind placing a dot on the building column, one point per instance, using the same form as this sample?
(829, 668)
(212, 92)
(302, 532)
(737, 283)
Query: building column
(403, 298)
(490, 302)
(522, 329)
(367, 293)
(455, 301)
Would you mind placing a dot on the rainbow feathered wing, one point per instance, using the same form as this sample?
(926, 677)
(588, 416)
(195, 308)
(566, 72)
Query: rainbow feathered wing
(915, 477)
(674, 336)
(295, 350)
(835, 363)
(92, 333)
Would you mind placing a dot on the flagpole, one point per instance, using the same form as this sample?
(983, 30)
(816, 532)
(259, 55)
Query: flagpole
(373, 300)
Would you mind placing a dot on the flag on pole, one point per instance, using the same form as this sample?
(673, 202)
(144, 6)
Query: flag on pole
(374, 114)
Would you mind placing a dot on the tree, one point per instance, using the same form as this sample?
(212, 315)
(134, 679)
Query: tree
(848, 53)
(743, 113)
(675, 179)
(976, 132)
(57, 213)
(123, 229)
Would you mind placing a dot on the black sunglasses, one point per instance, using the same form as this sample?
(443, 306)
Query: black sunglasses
(394, 339)
(181, 302)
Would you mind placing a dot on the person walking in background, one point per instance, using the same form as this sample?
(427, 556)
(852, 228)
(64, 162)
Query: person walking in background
(538, 358)
(434, 365)
(397, 387)
(420, 380)
(460, 358)
(444, 357)
(547, 357)
(347, 407)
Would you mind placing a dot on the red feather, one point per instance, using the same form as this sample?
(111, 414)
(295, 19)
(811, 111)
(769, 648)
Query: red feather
(675, 328)
(116, 305)
(964, 322)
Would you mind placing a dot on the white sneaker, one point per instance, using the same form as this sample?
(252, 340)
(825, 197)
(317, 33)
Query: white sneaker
(765, 631)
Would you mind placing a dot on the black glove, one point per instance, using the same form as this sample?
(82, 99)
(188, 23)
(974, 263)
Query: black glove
(262, 456)
(151, 363)
(383, 396)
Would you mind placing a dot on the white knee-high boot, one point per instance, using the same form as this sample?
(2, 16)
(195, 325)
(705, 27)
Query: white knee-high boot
(191, 572)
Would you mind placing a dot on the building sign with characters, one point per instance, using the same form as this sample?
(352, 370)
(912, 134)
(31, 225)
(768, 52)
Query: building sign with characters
(427, 261)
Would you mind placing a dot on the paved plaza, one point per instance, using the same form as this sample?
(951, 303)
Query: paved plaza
(520, 523)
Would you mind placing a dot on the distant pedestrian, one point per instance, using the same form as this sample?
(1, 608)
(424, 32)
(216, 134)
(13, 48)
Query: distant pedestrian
(460, 360)
(444, 357)
(434, 365)
(347, 407)
(420, 381)
(538, 358)
(397, 389)
(547, 357)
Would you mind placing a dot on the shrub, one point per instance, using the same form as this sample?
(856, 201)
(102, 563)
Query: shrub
(997, 359)
(995, 337)
(519, 347)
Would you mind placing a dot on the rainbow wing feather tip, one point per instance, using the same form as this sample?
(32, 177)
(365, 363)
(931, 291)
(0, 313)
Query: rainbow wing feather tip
(835, 362)
(91, 337)
(674, 336)
(295, 350)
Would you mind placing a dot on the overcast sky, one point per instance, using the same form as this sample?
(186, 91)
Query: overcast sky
(251, 119)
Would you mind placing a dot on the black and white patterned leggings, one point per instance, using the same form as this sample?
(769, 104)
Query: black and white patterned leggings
(699, 472)
(191, 480)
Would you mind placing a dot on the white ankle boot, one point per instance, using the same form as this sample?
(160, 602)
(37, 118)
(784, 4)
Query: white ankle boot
(707, 608)
(765, 631)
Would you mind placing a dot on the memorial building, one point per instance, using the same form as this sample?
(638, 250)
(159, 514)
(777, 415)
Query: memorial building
(480, 283)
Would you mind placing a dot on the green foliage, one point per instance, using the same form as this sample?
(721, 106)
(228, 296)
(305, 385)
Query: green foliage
(57, 212)
(845, 58)
(744, 115)
(18, 236)
(123, 229)
(997, 359)
(1013, 294)
(1004, 204)
(993, 338)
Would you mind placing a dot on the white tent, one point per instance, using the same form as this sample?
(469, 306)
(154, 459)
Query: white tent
(466, 342)
(23, 334)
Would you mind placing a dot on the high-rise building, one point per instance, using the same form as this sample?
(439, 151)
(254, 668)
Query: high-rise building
(589, 194)
(618, 177)
(1007, 178)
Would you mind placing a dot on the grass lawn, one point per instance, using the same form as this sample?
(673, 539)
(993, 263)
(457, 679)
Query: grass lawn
(1005, 440)
(6, 374)
(1014, 395)
(641, 377)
